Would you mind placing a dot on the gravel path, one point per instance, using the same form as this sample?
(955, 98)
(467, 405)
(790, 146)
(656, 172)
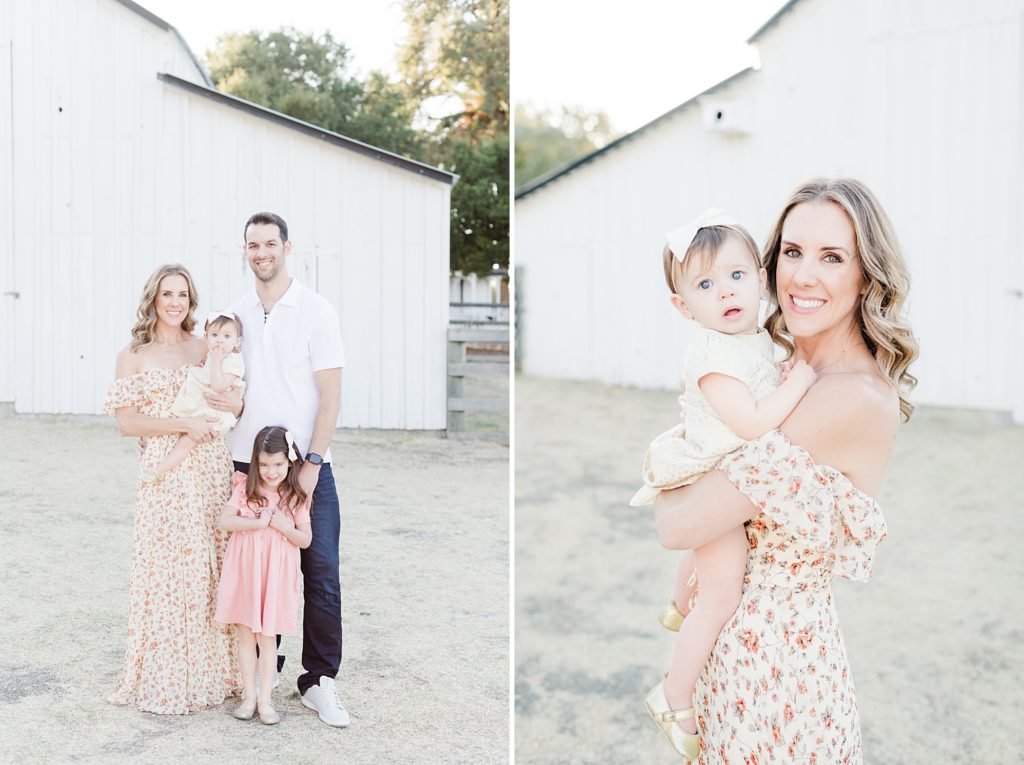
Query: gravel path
(934, 640)
(425, 580)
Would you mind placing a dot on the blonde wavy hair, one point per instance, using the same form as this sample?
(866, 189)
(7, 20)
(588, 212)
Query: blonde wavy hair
(142, 332)
(883, 324)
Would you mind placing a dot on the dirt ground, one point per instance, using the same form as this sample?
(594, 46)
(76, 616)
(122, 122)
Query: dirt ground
(425, 559)
(934, 639)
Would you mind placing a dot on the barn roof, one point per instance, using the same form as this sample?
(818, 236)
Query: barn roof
(771, 22)
(558, 172)
(154, 19)
(314, 131)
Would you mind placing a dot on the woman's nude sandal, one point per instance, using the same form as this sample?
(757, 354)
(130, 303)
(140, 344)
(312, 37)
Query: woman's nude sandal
(687, 744)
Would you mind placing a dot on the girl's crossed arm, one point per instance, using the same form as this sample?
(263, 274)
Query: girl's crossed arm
(300, 535)
(751, 418)
(230, 520)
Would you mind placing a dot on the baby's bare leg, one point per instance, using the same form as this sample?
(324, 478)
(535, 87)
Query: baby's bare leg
(686, 582)
(175, 456)
(720, 566)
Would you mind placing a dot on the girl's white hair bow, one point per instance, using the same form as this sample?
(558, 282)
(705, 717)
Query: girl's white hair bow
(679, 241)
(292, 447)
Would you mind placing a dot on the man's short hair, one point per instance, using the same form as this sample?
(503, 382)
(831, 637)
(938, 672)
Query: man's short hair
(262, 218)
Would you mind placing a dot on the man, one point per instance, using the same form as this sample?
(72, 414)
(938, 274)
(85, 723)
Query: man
(293, 358)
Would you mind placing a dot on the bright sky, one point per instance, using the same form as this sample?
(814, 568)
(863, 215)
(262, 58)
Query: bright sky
(371, 29)
(635, 61)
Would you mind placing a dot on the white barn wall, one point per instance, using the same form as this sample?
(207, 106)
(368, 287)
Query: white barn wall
(919, 100)
(135, 172)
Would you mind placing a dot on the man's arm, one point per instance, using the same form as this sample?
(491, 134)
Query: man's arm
(328, 386)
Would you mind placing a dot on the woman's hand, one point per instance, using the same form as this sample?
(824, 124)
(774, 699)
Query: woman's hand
(200, 429)
(228, 401)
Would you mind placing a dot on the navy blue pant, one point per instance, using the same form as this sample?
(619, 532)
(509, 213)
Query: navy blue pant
(321, 616)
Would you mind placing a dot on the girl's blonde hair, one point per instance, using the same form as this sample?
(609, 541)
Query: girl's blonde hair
(706, 244)
(142, 332)
(883, 324)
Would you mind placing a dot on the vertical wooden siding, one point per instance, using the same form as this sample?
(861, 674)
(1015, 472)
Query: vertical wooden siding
(919, 100)
(123, 172)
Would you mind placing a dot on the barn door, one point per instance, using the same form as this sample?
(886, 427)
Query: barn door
(8, 288)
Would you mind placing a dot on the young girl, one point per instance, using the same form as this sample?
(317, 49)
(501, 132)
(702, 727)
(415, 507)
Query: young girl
(223, 369)
(731, 394)
(259, 583)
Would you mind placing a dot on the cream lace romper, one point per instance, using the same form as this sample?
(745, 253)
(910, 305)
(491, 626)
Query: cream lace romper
(681, 455)
(190, 401)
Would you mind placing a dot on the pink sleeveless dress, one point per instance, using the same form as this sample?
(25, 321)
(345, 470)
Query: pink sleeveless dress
(259, 582)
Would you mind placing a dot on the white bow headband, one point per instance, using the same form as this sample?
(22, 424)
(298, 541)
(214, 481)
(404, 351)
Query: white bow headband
(217, 314)
(291, 446)
(679, 241)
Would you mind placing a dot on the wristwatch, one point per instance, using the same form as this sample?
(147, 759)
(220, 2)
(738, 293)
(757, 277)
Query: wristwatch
(315, 458)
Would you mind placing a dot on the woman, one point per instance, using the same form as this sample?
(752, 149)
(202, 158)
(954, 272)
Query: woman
(777, 687)
(178, 658)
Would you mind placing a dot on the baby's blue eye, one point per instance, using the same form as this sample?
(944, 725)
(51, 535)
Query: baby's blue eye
(704, 284)
(737, 275)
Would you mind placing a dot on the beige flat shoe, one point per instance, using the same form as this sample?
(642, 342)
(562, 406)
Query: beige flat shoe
(243, 711)
(687, 744)
(269, 715)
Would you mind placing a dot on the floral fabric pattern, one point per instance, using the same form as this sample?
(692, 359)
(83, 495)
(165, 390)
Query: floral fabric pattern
(777, 687)
(177, 658)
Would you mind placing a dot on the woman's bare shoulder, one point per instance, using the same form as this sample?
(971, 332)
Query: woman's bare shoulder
(848, 421)
(128, 363)
(196, 348)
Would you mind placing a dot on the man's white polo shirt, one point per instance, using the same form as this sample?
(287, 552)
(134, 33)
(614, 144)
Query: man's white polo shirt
(299, 337)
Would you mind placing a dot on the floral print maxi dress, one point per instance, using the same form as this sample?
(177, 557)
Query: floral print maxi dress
(777, 687)
(178, 658)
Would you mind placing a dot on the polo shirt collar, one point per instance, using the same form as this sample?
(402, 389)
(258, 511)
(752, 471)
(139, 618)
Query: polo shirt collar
(290, 297)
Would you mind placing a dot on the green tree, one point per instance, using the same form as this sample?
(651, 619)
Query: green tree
(547, 140)
(456, 56)
(454, 63)
(479, 230)
(306, 76)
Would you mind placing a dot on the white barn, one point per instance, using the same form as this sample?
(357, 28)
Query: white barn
(921, 100)
(117, 155)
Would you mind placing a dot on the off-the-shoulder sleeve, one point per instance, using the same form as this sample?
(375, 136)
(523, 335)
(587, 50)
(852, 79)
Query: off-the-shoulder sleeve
(124, 391)
(816, 504)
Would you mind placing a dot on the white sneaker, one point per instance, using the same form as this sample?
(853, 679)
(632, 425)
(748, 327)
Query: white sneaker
(277, 681)
(324, 699)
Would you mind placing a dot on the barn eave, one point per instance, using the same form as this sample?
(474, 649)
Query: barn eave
(154, 19)
(314, 131)
(558, 172)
